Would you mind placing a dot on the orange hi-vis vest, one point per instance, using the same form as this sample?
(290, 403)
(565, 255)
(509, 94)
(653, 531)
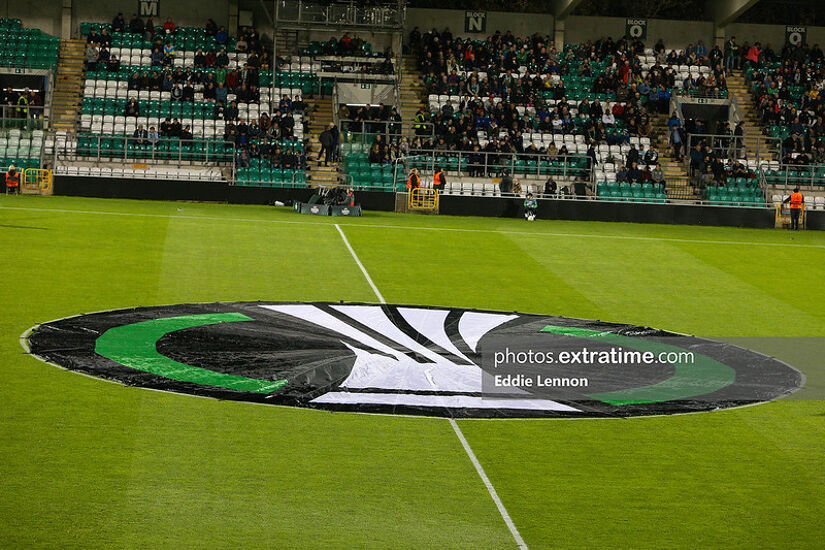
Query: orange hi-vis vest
(438, 178)
(796, 201)
(12, 180)
(414, 182)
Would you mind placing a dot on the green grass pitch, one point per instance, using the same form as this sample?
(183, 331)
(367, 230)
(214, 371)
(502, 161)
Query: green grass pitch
(85, 463)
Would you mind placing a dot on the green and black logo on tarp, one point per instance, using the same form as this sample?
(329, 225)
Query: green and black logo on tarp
(411, 360)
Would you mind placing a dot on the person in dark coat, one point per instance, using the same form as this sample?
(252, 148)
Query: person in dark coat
(326, 144)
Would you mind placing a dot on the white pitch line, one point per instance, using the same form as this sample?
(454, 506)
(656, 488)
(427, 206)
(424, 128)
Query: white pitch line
(490, 489)
(425, 228)
(360, 265)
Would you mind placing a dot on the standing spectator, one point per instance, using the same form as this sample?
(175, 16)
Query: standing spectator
(118, 23)
(92, 55)
(325, 138)
(730, 55)
(136, 24)
(738, 139)
(211, 27)
(169, 26)
(753, 55)
(336, 140)
(674, 126)
(149, 33)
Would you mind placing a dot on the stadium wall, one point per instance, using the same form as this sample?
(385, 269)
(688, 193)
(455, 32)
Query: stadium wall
(522, 24)
(45, 16)
(183, 13)
(499, 207)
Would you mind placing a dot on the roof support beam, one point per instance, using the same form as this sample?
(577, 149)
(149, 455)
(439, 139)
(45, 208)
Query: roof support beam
(725, 12)
(563, 8)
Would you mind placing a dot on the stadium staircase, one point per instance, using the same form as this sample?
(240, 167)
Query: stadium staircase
(738, 88)
(320, 115)
(68, 90)
(412, 89)
(677, 182)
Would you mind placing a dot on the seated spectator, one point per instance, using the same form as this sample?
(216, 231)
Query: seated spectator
(157, 57)
(657, 176)
(134, 82)
(209, 92)
(186, 133)
(167, 82)
(200, 59)
(219, 112)
(105, 38)
(210, 58)
(166, 128)
(222, 59)
(298, 106)
(152, 136)
(285, 104)
(221, 93)
(634, 175)
(113, 65)
(169, 50)
(132, 108)
(254, 94)
(140, 134)
(241, 45)
(177, 93)
(222, 37)
(188, 93)
(176, 128)
(231, 112)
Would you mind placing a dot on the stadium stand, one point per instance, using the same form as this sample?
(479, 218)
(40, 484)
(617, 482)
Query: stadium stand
(28, 48)
(22, 136)
(519, 95)
(205, 95)
(786, 91)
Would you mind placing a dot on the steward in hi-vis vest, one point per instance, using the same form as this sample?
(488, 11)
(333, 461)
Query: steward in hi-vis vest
(12, 180)
(414, 181)
(796, 201)
(439, 179)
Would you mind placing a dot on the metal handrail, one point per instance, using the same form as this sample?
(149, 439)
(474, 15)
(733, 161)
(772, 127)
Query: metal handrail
(492, 164)
(97, 152)
(351, 14)
(805, 176)
(762, 148)
(25, 117)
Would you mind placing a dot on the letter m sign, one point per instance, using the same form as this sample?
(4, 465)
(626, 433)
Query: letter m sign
(475, 21)
(148, 7)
